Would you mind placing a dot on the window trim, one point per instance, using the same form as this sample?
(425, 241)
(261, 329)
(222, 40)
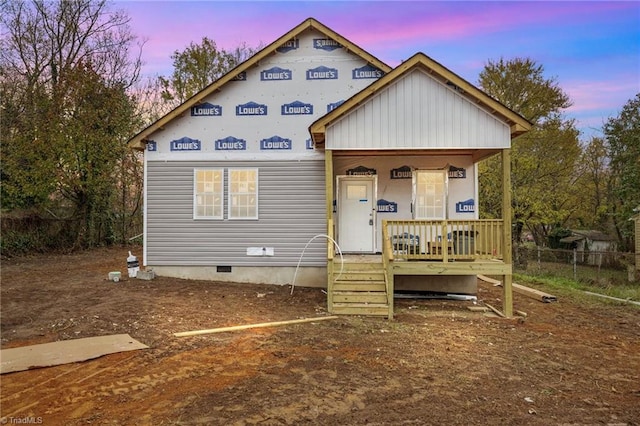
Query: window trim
(195, 193)
(230, 194)
(445, 201)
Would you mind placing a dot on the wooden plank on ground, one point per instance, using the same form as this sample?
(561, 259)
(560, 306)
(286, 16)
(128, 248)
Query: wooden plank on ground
(534, 294)
(527, 291)
(495, 310)
(247, 326)
(477, 308)
(489, 280)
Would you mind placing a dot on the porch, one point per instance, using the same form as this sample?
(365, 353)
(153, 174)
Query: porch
(364, 284)
(428, 129)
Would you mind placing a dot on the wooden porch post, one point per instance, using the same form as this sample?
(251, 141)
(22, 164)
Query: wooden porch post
(506, 217)
(328, 181)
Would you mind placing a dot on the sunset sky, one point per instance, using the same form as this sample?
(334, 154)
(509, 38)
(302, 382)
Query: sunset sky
(592, 48)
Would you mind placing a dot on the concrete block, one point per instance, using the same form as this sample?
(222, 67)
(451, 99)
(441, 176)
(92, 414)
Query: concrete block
(146, 275)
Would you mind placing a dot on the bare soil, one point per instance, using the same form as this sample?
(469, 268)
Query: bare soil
(573, 362)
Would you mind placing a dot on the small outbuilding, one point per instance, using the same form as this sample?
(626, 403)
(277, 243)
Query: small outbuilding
(593, 246)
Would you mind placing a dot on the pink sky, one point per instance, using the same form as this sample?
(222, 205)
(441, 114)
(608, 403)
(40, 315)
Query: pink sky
(592, 49)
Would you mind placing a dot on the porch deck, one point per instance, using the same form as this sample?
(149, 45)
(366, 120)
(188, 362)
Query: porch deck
(364, 284)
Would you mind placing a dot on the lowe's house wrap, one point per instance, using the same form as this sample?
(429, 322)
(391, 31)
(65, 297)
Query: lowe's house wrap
(252, 108)
(230, 143)
(322, 73)
(275, 142)
(206, 109)
(297, 108)
(186, 144)
(276, 73)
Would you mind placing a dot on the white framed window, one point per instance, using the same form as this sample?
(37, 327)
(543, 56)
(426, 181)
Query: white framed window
(430, 194)
(243, 193)
(208, 194)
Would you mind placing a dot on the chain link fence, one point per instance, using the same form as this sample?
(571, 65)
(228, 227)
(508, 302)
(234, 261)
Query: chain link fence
(599, 268)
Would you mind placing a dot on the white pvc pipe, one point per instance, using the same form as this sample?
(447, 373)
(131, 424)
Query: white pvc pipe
(613, 298)
(305, 248)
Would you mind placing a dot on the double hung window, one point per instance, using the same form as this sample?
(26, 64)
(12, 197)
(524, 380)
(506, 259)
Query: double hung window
(241, 193)
(430, 194)
(209, 194)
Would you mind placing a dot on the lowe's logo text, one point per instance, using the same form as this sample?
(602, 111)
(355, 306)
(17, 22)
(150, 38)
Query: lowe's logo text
(251, 108)
(385, 206)
(403, 172)
(275, 73)
(296, 108)
(322, 73)
(326, 44)
(457, 173)
(367, 71)
(275, 142)
(230, 143)
(334, 105)
(205, 110)
(467, 206)
(186, 144)
(289, 45)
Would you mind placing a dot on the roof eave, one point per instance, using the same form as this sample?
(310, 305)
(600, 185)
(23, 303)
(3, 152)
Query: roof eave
(137, 144)
(518, 129)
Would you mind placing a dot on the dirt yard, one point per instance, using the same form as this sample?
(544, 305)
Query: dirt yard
(574, 362)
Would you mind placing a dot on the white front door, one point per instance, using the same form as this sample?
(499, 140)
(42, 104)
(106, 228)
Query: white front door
(356, 214)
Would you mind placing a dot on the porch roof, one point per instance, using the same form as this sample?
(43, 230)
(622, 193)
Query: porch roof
(516, 123)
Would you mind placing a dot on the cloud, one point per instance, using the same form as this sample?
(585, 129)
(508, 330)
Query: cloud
(591, 47)
(388, 26)
(595, 101)
(613, 93)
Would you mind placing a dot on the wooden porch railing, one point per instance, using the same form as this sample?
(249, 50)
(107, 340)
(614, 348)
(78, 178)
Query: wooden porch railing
(443, 240)
(387, 258)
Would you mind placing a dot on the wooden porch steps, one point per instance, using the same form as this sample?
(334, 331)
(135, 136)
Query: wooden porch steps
(360, 289)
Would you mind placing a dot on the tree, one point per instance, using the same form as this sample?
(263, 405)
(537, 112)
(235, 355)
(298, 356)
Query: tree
(89, 150)
(593, 186)
(520, 85)
(543, 160)
(242, 52)
(66, 69)
(150, 100)
(544, 176)
(622, 134)
(198, 66)
(26, 167)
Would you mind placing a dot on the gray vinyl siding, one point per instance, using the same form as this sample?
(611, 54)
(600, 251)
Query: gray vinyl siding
(291, 210)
